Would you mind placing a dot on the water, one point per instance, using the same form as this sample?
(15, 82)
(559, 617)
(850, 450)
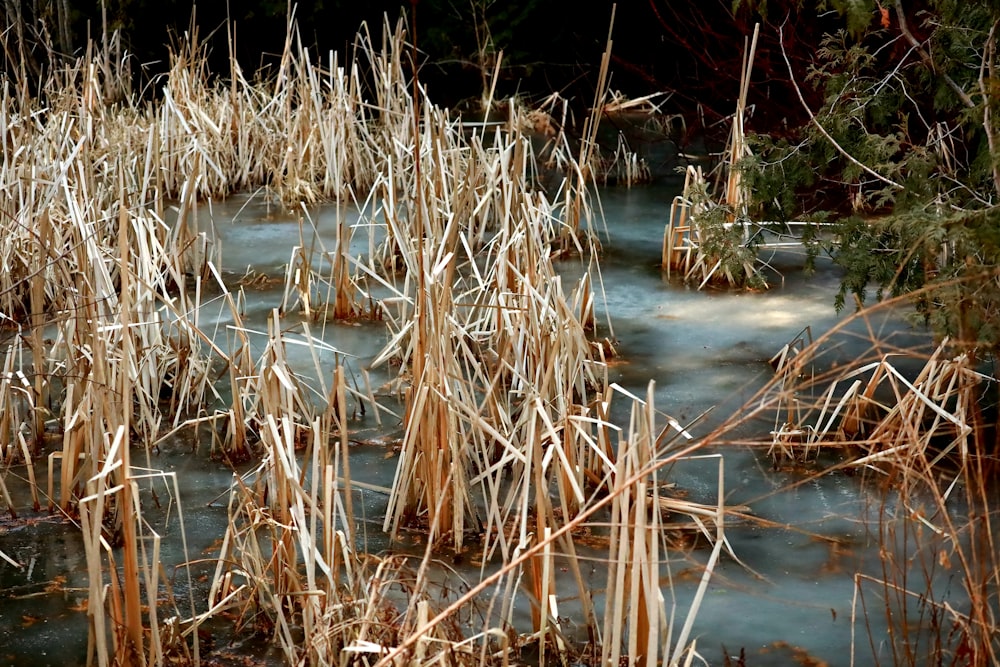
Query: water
(791, 593)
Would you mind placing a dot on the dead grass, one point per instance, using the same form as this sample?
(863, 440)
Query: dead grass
(113, 275)
(912, 423)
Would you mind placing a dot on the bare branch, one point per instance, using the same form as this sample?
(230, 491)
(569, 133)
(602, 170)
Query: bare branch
(987, 65)
(812, 117)
(926, 58)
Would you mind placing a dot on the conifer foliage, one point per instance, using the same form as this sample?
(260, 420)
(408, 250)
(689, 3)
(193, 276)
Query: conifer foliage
(899, 142)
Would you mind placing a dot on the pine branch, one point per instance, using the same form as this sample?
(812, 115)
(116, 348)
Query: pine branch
(812, 117)
(926, 58)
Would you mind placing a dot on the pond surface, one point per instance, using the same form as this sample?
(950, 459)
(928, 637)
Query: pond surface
(791, 595)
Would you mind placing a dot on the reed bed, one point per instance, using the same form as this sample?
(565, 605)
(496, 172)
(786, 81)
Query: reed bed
(917, 437)
(911, 422)
(454, 310)
(636, 577)
(705, 243)
(112, 273)
(320, 281)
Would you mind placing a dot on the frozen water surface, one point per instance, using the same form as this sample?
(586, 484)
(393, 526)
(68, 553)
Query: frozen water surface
(702, 348)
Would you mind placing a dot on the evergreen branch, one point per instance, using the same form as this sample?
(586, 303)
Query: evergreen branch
(812, 117)
(926, 58)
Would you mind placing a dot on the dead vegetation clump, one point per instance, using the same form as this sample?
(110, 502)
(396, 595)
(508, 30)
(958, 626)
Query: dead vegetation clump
(112, 302)
(913, 425)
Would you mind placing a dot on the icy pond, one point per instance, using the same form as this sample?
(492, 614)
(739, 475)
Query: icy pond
(790, 598)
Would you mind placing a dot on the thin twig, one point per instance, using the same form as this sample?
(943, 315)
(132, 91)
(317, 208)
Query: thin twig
(812, 117)
(987, 66)
(926, 58)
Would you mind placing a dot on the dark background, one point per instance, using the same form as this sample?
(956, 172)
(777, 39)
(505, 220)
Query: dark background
(691, 50)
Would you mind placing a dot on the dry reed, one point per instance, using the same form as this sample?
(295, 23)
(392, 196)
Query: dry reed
(707, 236)
(912, 423)
(505, 417)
